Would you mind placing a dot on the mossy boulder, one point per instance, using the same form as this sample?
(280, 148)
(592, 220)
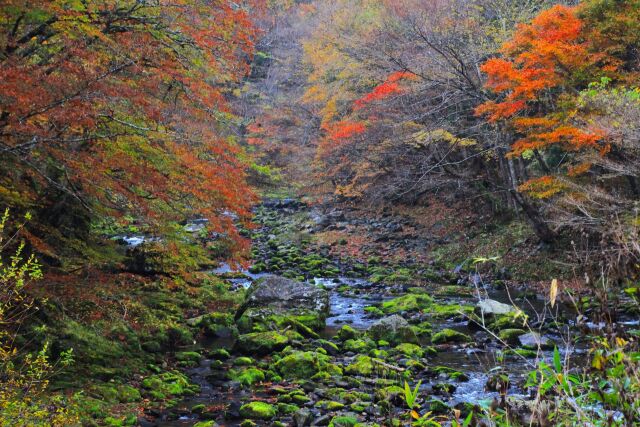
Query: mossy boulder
(450, 311)
(361, 365)
(260, 343)
(305, 364)
(188, 358)
(275, 295)
(407, 303)
(450, 336)
(358, 345)
(347, 333)
(247, 377)
(169, 384)
(409, 350)
(450, 373)
(258, 411)
(393, 329)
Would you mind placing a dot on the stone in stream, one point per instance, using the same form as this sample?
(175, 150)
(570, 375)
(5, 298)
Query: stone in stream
(276, 295)
(489, 307)
(534, 339)
(393, 329)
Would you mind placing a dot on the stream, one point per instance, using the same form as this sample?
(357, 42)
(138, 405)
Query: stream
(475, 362)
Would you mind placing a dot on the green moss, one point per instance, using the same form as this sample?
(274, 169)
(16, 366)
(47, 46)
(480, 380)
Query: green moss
(510, 336)
(450, 373)
(169, 384)
(448, 311)
(188, 358)
(409, 302)
(362, 365)
(128, 394)
(243, 361)
(258, 411)
(304, 364)
(343, 421)
(358, 345)
(373, 311)
(219, 354)
(286, 408)
(389, 393)
(347, 333)
(450, 336)
(261, 342)
(329, 405)
(247, 377)
(410, 350)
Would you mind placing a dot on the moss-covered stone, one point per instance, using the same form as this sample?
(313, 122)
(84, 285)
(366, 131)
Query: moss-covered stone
(358, 345)
(362, 365)
(409, 350)
(450, 373)
(450, 336)
(243, 361)
(407, 303)
(393, 329)
(450, 311)
(347, 333)
(260, 342)
(343, 421)
(169, 384)
(305, 364)
(510, 336)
(258, 411)
(188, 358)
(248, 376)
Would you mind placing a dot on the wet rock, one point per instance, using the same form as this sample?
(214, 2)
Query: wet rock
(258, 411)
(533, 340)
(279, 295)
(489, 307)
(323, 420)
(498, 382)
(302, 418)
(511, 336)
(393, 329)
(450, 336)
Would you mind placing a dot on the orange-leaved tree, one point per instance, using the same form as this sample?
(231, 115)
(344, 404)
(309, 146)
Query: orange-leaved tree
(117, 108)
(539, 76)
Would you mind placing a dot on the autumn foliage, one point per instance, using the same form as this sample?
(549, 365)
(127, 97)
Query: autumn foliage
(120, 107)
(541, 67)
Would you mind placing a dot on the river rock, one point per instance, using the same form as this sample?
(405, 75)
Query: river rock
(279, 295)
(534, 339)
(489, 307)
(393, 329)
(302, 418)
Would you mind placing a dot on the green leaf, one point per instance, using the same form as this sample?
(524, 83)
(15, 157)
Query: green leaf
(557, 362)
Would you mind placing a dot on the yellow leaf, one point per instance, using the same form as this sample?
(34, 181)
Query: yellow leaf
(415, 415)
(553, 293)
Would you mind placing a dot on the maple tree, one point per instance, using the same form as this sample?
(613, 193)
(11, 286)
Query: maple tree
(120, 107)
